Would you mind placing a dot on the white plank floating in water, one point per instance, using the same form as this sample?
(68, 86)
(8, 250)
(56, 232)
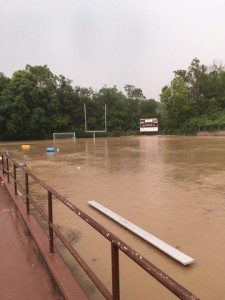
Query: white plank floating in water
(169, 250)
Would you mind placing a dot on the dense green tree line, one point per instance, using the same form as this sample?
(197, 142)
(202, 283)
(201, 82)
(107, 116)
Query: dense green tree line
(34, 103)
(195, 99)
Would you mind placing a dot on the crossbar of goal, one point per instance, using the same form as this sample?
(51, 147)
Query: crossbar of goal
(64, 135)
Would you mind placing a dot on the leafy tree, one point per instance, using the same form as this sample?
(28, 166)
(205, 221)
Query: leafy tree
(133, 92)
(175, 101)
(14, 105)
(196, 80)
(204, 103)
(114, 101)
(4, 81)
(148, 108)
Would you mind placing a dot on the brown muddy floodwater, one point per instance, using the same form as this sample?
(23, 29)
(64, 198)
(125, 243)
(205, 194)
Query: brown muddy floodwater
(172, 187)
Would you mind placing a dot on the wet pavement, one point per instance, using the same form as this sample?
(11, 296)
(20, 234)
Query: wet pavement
(23, 274)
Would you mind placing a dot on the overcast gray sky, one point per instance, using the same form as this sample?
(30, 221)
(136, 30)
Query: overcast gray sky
(112, 42)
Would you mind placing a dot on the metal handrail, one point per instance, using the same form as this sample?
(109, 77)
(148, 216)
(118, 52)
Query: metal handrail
(116, 243)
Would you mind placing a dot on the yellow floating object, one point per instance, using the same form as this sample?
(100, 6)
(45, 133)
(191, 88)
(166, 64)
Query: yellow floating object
(25, 147)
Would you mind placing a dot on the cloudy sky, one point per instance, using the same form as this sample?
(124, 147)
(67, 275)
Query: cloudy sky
(112, 42)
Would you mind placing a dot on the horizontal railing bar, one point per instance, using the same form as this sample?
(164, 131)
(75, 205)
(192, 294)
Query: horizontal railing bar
(105, 292)
(41, 212)
(30, 198)
(168, 282)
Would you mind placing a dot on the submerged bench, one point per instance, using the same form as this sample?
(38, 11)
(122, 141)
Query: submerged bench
(166, 248)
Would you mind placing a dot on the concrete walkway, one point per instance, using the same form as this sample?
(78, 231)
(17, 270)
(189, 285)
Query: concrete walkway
(23, 274)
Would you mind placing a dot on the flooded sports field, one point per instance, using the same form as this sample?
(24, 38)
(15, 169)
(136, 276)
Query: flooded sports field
(172, 187)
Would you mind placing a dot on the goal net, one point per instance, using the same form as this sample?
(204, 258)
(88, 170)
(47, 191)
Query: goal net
(64, 136)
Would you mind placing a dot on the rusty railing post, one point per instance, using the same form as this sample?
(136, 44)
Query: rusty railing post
(50, 221)
(27, 194)
(7, 168)
(14, 175)
(115, 272)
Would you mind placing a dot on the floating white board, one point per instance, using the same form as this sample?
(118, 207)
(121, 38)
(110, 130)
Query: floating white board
(169, 250)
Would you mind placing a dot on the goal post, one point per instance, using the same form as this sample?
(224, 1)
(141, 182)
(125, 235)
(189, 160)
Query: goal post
(85, 122)
(63, 136)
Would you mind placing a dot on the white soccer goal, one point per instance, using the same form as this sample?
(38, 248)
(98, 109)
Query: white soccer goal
(64, 136)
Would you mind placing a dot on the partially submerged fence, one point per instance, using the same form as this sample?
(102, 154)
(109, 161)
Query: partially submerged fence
(10, 167)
